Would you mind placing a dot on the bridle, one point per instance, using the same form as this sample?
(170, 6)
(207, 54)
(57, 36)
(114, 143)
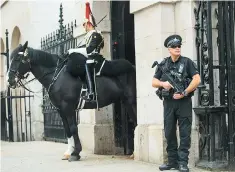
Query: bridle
(24, 58)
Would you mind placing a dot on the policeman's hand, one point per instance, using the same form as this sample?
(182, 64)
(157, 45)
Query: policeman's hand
(166, 85)
(178, 96)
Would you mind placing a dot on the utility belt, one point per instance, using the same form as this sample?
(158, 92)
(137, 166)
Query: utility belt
(164, 93)
(168, 94)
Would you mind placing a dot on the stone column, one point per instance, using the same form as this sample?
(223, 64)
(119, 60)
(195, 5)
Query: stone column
(151, 29)
(96, 129)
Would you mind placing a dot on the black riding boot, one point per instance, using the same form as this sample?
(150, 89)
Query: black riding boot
(168, 167)
(90, 80)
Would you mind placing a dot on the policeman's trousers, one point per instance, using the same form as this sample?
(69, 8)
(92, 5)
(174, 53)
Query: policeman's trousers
(178, 111)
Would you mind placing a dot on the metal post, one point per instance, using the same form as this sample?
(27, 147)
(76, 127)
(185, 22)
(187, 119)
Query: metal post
(211, 80)
(21, 120)
(223, 142)
(10, 121)
(25, 117)
(16, 115)
(30, 120)
(61, 30)
(230, 81)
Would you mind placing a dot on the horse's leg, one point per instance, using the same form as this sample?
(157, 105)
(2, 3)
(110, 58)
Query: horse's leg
(69, 136)
(130, 106)
(71, 118)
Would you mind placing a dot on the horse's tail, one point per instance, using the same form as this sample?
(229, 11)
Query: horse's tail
(131, 86)
(117, 67)
(130, 96)
(134, 67)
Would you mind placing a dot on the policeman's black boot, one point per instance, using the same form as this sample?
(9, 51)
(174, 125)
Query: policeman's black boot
(90, 81)
(183, 168)
(168, 167)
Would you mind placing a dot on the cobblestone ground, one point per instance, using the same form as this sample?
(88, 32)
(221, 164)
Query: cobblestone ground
(41, 156)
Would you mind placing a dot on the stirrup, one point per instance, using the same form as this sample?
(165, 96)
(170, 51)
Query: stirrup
(89, 97)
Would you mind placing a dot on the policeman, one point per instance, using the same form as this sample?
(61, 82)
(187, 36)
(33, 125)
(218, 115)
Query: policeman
(177, 106)
(90, 47)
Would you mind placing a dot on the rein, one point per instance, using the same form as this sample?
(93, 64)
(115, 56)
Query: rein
(23, 85)
(55, 72)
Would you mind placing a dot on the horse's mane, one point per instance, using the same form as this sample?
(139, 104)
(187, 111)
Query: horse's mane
(42, 57)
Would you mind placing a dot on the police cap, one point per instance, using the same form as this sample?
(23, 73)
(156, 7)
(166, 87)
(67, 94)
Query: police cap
(172, 40)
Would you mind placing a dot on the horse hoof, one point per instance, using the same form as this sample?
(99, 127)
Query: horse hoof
(74, 158)
(65, 157)
(132, 156)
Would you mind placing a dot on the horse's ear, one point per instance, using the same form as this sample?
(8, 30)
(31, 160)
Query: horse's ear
(25, 45)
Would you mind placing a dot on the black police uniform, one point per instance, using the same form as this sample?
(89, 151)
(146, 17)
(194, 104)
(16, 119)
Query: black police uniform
(93, 45)
(177, 110)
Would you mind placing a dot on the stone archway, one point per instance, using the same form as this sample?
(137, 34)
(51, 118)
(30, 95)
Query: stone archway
(2, 46)
(15, 38)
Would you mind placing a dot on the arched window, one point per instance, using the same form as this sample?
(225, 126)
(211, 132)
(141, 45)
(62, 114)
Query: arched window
(15, 38)
(2, 46)
(2, 65)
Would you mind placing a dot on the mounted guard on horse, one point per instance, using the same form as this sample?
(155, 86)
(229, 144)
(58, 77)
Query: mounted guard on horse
(67, 98)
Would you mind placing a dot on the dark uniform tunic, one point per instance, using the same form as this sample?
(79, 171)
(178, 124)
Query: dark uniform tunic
(180, 109)
(93, 42)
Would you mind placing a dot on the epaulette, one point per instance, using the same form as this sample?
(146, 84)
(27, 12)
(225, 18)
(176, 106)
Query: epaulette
(184, 59)
(164, 60)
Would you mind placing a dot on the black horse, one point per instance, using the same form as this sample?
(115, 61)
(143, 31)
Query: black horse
(65, 90)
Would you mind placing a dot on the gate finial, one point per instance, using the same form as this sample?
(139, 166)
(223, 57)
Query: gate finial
(61, 29)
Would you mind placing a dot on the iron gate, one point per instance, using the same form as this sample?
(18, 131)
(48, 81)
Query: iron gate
(4, 134)
(58, 42)
(15, 111)
(216, 99)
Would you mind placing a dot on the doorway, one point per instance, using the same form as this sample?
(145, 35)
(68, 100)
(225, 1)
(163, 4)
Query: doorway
(123, 46)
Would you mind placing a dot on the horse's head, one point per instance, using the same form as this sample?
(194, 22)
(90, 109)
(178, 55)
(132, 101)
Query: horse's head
(20, 64)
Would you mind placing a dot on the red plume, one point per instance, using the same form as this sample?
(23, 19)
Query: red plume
(88, 11)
